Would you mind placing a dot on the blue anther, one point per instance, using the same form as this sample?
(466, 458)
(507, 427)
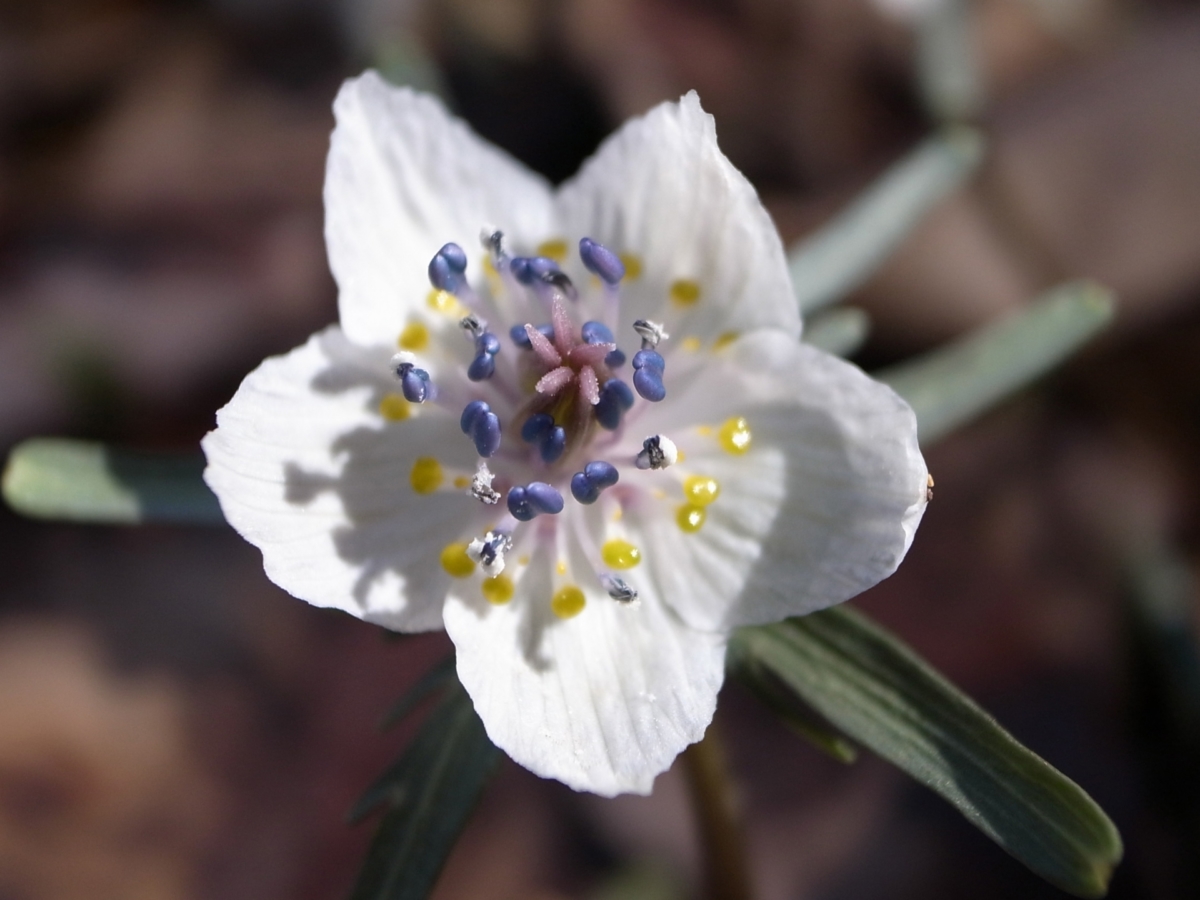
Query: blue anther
(648, 383)
(649, 359)
(615, 359)
(520, 337)
(543, 267)
(596, 333)
(553, 443)
(414, 383)
(583, 490)
(543, 498)
(518, 504)
(482, 367)
(601, 474)
(470, 412)
(485, 432)
(599, 260)
(535, 426)
(620, 390)
(519, 266)
(487, 343)
(454, 256)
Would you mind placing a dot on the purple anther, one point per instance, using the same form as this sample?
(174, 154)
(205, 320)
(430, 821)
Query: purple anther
(648, 383)
(519, 266)
(599, 260)
(553, 443)
(601, 474)
(519, 337)
(543, 498)
(482, 367)
(542, 267)
(470, 412)
(447, 267)
(615, 398)
(615, 359)
(649, 359)
(596, 332)
(487, 343)
(518, 504)
(620, 390)
(536, 426)
(414, 384)
(583, 490)
(485, 432)
(454, 256)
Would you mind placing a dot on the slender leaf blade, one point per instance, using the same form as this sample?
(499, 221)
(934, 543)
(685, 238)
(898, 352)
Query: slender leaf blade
(430, 793)
(437, 678)
(841, 256)
(872, 687)
(840, 331)
(84, 481)
(957, 382)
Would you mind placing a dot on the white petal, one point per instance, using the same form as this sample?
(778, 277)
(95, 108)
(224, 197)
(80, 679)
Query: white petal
(404, 178)
(602, 702)
(823, 505)
(308, 471)
(660, 188)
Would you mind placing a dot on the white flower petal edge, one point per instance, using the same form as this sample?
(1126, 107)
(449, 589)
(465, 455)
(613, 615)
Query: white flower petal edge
(402, 179)
(308, 471)
(660, 187)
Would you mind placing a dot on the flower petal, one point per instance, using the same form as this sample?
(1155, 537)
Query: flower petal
(661, 189)
(404, 178)
(308, 471)
(602, 702)
(822, 506)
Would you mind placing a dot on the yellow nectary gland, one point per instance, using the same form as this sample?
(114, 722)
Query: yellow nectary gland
(690, 518)
(735, 436)
(619, 554)
(497, 590)
(568, 602)
(394, 407)
(456, 562)
(415, 336)
(700, 490)
(426, 476)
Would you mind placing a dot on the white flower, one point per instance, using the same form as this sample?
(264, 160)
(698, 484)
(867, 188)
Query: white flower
(772, 480)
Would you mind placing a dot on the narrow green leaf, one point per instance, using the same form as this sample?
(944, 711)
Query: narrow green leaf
(83, 481)
(430, 683)
(840, 331)
(871, 686)
(430, 793)
(957, 382)
(948, 74)
(844, 253)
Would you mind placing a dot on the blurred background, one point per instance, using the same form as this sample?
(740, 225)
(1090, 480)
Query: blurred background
(173, 726)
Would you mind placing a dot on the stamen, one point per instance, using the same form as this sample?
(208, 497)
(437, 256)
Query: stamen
(651, 333)
(482, 425)
(489, 551)
(492, 240)
(535, 498)
(447, 267)
(601, 261)
(615, 399)
(487, 345)
(414, 382)
(657, 452)
(535, 427)
(481, 486)
(618, 588)
(595, 477)
(648, 368)
(553, 443)
(472, 324)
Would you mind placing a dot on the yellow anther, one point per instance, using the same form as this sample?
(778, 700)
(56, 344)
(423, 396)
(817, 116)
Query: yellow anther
(568, 602)
(555, 248)
(691, 343)
(497, 590)
(456, 562)
(394, 407)
(725, 339)
(415, 336)
(735, 436)
(700, 490)
(462, 482)
(619, 554)
(690, 518)
(426, 476)
(561, 567)
(443, 302)
(633, 265)
(685, 292)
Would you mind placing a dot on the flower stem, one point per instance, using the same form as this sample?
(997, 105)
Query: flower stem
(726, 873)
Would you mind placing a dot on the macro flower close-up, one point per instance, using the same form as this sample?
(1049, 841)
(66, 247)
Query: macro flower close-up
(576, 428)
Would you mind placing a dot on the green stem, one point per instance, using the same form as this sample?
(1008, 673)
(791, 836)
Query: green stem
(726, 872)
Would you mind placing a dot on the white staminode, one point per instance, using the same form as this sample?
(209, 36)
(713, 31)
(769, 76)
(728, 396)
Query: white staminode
(658, 451)
(489, 552)
(481, 486)
(651, 333)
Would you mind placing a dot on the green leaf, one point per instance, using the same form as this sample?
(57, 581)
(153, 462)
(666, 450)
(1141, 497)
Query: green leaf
(83, 481)
(948, 75)
(840, 331)
(430, 793)
(872, 687)
(428, 684)
(844, 253)
(957, 382)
